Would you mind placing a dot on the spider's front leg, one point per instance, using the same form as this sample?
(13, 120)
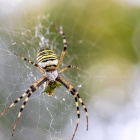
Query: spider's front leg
(64, 45)
(34, 64)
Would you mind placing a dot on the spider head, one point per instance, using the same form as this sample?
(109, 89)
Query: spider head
(47, 59)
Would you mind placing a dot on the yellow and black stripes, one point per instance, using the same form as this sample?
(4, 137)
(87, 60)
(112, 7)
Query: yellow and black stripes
(74, 92)
(67, 67)
(16, 101)
(36, 65)
(43, 51)
(19, 114)
(64, 44)
(84, 107)
(78, 115)
(75, 95)
(29, 92)
(46, 55)
(47, 59)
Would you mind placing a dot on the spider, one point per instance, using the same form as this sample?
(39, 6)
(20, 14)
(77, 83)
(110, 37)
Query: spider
(48, 65)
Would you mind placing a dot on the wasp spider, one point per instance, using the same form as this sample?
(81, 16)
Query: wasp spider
(48, 65)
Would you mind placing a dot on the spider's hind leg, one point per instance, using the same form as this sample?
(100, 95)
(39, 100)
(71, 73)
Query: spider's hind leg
(16, 101)
(19, 114)
(75, 94)
(84, 107)
(30, 90)
(78, 115)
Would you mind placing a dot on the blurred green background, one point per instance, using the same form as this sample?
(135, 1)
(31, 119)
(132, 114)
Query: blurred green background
(103, 39)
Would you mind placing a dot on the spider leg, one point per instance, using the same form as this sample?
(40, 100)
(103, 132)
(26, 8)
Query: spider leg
(36, 65)
(83, 105)
(78, 115)
(64, 44)
(74, 93)
(30, 90)
(67, 67)
(16, 101)
(21, 109)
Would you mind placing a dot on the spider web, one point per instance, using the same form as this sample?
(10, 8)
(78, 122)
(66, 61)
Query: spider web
(17, 76)
(98, 36)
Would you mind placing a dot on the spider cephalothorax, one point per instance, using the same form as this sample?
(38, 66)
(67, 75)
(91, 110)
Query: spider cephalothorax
(48, 65)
